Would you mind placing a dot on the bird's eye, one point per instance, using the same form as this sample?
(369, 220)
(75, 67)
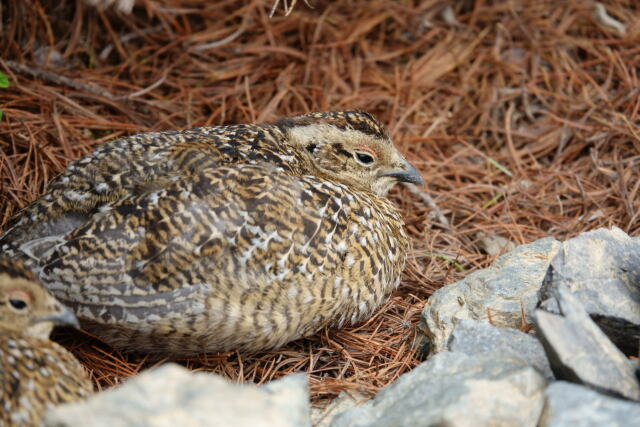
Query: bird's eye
(18, 300)
(364, 158)
(18, 304)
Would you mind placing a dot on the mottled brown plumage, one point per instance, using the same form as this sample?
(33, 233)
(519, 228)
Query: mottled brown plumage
(35, 373)
(236, 237)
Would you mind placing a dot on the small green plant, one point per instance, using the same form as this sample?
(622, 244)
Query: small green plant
(443, 257)
(4, 83)
(450, 260)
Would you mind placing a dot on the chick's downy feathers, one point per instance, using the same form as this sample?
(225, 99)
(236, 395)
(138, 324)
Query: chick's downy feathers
(35, 373)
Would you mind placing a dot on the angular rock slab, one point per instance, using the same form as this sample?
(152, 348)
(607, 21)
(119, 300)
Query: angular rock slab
(570, 405)
(580, 352)
(494, 244)
(173, 396)
(344, 401)
(502, 291)
(602, 268)
(456, 389)
(473, 337)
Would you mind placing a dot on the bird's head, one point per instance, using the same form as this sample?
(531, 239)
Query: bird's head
(350, 147)
(25, 305)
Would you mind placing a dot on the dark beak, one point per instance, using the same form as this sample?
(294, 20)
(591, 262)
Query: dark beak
(409, 174)
(66, 318)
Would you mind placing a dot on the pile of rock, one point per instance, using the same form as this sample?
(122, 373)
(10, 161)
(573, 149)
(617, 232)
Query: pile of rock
(487, 363)
(484, 370)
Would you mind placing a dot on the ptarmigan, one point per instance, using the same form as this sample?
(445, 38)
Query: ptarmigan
(240, 237)
(35, 373)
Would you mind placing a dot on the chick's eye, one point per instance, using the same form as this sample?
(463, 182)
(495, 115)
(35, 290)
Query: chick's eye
(364, 158)
(18, 304)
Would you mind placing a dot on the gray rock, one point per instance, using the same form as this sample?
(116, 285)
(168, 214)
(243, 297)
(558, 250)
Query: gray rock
(624, 334)
(173, 396)
(602, 268)
(502, 291)
(456, 389)
(324, 417)
(472, 337)
(580, 352)
(571, 405)
(493, 244)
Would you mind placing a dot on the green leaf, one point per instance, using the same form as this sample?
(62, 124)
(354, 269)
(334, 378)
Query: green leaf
(443, 257)
(450, 260)
(493, 201)
(1, 114)
(499, 166)
(4, 80)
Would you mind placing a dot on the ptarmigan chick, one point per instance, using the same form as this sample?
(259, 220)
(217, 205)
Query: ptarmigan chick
(35, 373)
(240, 237)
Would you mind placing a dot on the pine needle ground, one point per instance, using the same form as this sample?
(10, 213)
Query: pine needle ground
(522, 116)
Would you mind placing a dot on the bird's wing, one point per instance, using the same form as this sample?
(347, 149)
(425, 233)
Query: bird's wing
(115, 170)
(122, 168)
(232, 231)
